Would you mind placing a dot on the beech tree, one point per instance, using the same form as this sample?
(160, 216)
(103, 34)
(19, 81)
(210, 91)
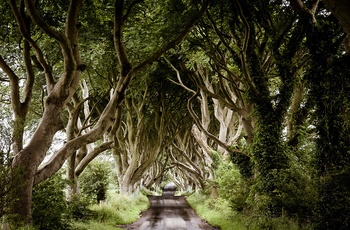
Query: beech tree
(62, 82)
(265, 82)
(328, 79)
(142, 138)
(250, 48)
(332, 152)
(191, 166)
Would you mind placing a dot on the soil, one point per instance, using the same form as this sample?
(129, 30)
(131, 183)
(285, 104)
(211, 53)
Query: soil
(169, 212)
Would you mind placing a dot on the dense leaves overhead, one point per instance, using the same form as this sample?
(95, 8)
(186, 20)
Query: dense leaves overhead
(203, 93)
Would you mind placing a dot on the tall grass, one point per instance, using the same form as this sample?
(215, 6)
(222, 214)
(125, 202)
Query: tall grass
(116, 210)
(217, 212)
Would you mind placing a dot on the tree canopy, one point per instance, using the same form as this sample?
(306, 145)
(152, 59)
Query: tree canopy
(175, 89)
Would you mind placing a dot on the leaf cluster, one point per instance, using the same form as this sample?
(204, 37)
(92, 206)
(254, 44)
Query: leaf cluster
(50, 209)
(94, 180)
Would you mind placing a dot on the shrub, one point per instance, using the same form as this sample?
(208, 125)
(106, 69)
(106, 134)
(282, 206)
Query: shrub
(7, 181)
(232, 186)
(50, 209)
(215, 211)
(116, 210)
(79, 208)
(94, 180)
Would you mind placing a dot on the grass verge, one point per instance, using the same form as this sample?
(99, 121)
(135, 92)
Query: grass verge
(117, 210)
(217, 212)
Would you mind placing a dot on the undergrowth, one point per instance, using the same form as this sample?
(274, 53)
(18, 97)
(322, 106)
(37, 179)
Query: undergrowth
(217, 212)
(116, 210)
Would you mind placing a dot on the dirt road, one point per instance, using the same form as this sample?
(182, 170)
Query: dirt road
(169, 212)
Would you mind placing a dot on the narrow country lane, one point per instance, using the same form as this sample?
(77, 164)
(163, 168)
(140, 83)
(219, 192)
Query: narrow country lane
(169, 212)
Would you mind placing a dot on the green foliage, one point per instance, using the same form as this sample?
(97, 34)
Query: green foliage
(121, 209)
(243, 162)
(328, 79)
(334, 196)
(52, 212)
(117, 210)
(275, 178)
(216, 157)
(232, 186)
(215, 211)
(294, 193)
(107, 214)
(6, 183)
(264, 222)
(50, 209)
(79, 207)
(149, 27)
(271, 163)
(94, 180)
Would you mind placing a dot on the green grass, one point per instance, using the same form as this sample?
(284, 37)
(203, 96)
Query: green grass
(218, 213)
(117, 210)
(215, 211)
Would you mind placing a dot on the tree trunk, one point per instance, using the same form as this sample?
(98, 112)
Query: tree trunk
(22, 205)
(126, 186)
(71, 176)
(26, 162)
(60, 92)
